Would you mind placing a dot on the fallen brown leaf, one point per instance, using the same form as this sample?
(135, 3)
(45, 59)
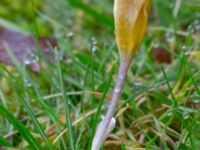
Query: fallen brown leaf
(25, 49)
(160, 55)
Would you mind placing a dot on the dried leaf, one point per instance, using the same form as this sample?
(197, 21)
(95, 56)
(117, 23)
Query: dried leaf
(24, 48)
(160, 55)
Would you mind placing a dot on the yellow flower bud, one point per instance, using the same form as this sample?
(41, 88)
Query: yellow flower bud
(130, 24)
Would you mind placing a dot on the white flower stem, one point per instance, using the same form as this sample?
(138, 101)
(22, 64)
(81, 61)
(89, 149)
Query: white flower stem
(123, 69)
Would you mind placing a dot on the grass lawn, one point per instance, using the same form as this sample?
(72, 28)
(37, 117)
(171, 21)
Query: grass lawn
(58, 105)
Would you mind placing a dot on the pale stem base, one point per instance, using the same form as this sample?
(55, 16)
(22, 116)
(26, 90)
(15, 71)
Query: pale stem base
(100, 133)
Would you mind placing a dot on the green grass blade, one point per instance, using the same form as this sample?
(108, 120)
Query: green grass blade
(38, 99)
(193, 79)
(35, 122)
(89, 10)
(66, 104)
(21, 128)
(169, 87)
(98, 113)
(4, 142)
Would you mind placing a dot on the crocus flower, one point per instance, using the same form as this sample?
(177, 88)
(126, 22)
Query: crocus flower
(130, 23)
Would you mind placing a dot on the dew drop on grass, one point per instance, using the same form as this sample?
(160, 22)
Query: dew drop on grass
(186, 115)
(170, 113)
(94, 49)
(27, 61)
(190, 29)
(169, 37)
(156, 44)
(196, 101)
(151, 89)
(93, 40)
(60, 55)
(70, 34)
(93, 44)
(34, 57)
(187, 49)
(138, 84)
(28, 83)
(196, 25)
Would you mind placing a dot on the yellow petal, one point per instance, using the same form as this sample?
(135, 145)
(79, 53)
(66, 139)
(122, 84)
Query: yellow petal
(130, 24)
